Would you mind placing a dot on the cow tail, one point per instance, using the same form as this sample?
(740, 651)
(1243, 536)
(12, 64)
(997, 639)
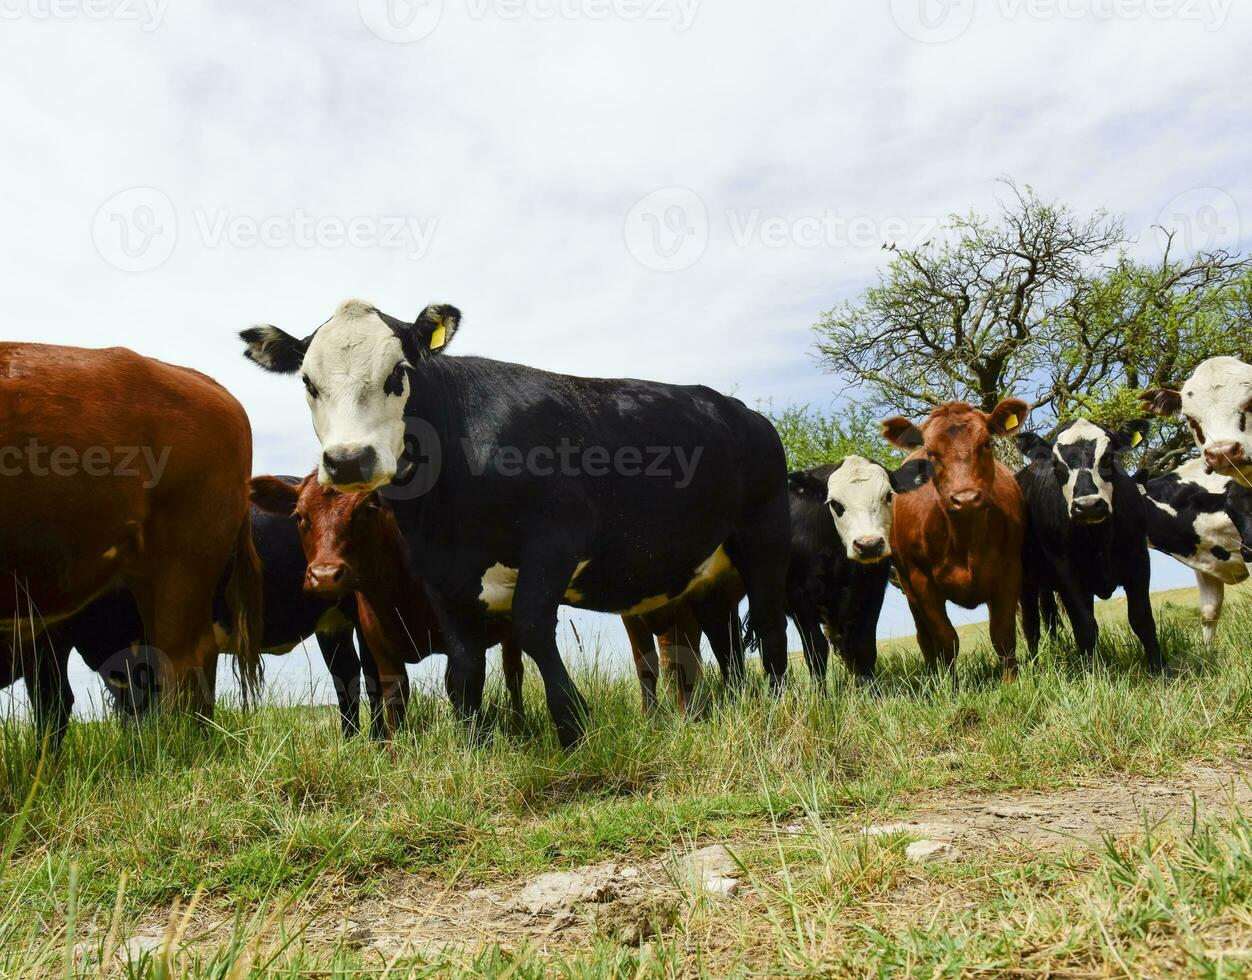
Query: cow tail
(245, 598)
(749, 637)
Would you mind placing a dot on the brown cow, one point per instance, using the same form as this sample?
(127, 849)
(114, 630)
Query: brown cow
(959, 538)
(677, 627)
(119, 467)
(352, 544)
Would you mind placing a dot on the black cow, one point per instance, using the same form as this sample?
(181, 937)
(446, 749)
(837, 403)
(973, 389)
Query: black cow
(109, 633)
(517, 490)
(841, 558)
(1205, 521)
(1086, 531)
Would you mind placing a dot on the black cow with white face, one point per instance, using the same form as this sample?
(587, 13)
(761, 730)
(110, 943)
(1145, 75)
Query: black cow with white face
(1204, 520)
(841, 557)
(1086, 531)
(517, 490)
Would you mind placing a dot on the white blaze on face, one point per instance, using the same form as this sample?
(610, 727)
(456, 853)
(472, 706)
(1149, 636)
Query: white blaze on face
(353, 360)
(858, 494)
(1217, 402)
(1086, 453)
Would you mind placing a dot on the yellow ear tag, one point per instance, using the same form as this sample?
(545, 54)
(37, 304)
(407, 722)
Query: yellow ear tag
(439, 337)
(1135, 439)
(1010, 423)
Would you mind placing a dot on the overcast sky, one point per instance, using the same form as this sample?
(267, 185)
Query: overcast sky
(669, 189)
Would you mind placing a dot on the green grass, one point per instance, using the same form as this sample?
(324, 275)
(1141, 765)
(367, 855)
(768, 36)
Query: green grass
(271, 809)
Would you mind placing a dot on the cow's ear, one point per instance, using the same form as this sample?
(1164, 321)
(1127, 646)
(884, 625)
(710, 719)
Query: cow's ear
(913, 475)
(1032, 446)
(1161, 401)
(275, 496)
(1131, 434)
(902, 433)
(806, 486)
(274, 349)
(435, 327)
(1007, 417)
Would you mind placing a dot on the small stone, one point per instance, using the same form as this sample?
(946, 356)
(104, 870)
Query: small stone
(931, 852)
(793, 828)
(722, 887)
(560, 891)
(629, 873)
(713, 861)
(1005, 812)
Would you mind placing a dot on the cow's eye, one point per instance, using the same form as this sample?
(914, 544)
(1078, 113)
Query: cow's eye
(837, 507)
(309, 386)
(887, 498)
(301, 520)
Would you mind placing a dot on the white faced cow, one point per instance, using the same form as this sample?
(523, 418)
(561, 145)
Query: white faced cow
(1217, 403)
(841, 519)
(614, 495)
(1205, 521)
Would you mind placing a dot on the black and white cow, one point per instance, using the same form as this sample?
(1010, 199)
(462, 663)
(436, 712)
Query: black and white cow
(109, 635)
(1086, 531)
(1205, 521)
(517, 490)
(841, 558)
(1216, 401)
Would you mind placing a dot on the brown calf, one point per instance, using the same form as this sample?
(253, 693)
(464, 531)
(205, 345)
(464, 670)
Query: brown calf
(352, 544)
(120, 467)
(959, 538)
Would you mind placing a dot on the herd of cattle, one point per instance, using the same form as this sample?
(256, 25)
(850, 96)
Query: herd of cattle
(459, 502)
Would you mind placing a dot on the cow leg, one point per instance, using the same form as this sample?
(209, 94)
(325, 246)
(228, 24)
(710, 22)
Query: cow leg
(374, 692)
(1051, 614)
(511, 661)
(1142, 621)
(861, 643)
(680, 659)
(812, 641)
(647, 665)
(541, 585)
(465, 636)
(1212, 592)
(177, 614)
(1030, 617)
(1080, 609)
(1002, 625)
(936, 635)
(44, 664)
(722, 627)
(345, 671)
(761, 552)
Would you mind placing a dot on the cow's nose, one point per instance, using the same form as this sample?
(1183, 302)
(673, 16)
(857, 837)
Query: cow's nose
(1089, 509)
(869, 548)
(1224, 456)
(349, 467)
(326, 578)
(966, 499)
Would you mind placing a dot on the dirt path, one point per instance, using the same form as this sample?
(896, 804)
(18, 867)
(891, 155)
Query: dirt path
(630, 901)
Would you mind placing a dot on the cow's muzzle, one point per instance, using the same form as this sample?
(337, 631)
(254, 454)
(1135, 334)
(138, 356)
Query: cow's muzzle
(963, 501)
(870, 549)
(1225, 457)
(1090, 510)
(330, 579)
(350, 468)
